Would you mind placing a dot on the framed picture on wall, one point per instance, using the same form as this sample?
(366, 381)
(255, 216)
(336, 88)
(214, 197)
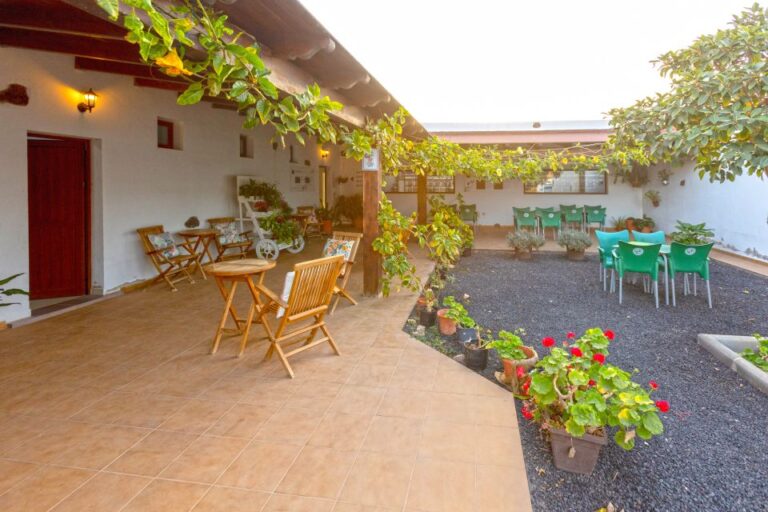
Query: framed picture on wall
(569, 182)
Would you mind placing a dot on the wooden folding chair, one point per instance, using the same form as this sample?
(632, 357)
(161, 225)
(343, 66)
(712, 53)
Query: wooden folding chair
(340, 290)
(239, 249)
(170, 267)
(308, 300)
(310, 225)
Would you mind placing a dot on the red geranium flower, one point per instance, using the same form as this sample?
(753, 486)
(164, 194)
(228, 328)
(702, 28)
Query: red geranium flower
(653, 384)
(571, 335)
(591, 382)
(526, 385)
(600, 358)
(520, 372)
(663, 405)
(527, 414)
(609, 334)
(576, 352)
(548, 342)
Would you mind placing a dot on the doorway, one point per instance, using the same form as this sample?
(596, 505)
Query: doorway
(323, 186)
(59, 189)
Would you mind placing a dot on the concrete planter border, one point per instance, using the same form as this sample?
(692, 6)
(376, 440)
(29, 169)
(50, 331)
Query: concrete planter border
(727, 349)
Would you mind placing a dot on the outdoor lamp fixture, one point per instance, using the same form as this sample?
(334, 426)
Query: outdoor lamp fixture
(89, 103)
(324, 154)
(665, 181)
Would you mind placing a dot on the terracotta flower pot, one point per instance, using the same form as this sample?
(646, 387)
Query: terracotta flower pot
(327, 227)
(646, 229)
(575, 454)
(446, 325)
(524, 254)
(630, 224)
(511, 365)
(575, 255)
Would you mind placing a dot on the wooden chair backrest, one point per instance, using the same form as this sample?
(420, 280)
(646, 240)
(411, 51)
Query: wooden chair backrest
(215, 221)
(354, 237)
(313, 285)
(305, 210)
(144, 233)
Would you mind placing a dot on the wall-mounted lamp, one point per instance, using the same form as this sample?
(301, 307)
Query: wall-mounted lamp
(324, 154)
(89, 101)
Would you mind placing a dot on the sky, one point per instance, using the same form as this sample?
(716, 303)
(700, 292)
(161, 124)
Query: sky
(514, 61)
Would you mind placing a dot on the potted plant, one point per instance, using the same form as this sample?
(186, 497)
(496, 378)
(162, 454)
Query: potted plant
(619, 223)
(646, 224)
(692, 234)
(576, 397)
(325, 219)
(758, 357)
(428, 314)
(575, 243)
(283, 230)
(630, 223)
(524, 243)
(9, 292)
(516, 357)
(654, 197)
(266, 196)
(466, 327)
(350, 208)
(476, 350)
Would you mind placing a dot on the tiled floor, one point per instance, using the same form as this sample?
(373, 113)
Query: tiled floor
(119, 406)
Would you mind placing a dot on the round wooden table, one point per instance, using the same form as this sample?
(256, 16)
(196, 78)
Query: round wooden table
(228, 274)
(197, 238)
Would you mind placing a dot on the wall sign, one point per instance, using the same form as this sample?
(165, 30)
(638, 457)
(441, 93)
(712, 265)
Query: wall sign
(372, 161)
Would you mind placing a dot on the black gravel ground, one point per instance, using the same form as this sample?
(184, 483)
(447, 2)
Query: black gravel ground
(713, 455)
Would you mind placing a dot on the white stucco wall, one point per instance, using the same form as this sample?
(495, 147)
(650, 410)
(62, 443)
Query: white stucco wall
(135, 183)
(495, 206)
(736, 211)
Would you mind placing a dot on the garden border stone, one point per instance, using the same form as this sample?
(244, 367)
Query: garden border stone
(727, 349)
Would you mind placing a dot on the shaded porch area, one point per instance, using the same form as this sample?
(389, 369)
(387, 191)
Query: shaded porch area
(119, 406)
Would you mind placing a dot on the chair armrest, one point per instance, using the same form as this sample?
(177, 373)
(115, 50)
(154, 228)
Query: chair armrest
(270, 295)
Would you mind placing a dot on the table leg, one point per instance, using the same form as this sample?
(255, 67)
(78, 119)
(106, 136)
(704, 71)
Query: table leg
(228, 309)
(207, 248)
(224, 294)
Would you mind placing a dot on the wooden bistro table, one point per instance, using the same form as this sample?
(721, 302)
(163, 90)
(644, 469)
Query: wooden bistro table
(228, 275)
(200, 240)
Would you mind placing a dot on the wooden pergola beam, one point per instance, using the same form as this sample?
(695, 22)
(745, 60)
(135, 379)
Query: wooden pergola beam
(303, 50)
(86, 46)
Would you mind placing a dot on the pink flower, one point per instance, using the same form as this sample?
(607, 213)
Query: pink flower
(520, 372)
(576, 352)
(570, 335)
(609, 334)
(653, 384)
(598, 357)
(548, 342)
(663, 405)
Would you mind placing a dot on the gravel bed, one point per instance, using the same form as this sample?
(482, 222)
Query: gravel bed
(713, 455)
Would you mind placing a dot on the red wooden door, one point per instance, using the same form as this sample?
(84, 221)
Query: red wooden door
(59, 200)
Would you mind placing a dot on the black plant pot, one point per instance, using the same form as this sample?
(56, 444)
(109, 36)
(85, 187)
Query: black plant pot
(427, 318)
(467, 251)
(465, 335)
(475, 358)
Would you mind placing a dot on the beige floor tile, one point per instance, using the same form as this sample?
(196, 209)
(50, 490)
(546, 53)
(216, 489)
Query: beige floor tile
(166, 496)
(204, 459)
(132, 409)
(288, 503)
(290, 425)
(378, 480)
(318, 472)
(43, 489)
(498, 412)
(314, 395)
(12, 472)
(358, 400)
(225, 499)
(16, 430)
(382, 356)
(261, 466)
(153, 453)
(341, 431)
(414, 377)
(393, 435)
(499, 446)
(452, 407)
(448, 441)
(405, 403)
(442, 486)
(500, 490)
(103, 492)
(196, 416)
(243, 420)
(376, 375)
(353, 507)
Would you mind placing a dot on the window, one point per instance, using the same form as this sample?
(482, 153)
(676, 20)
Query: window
(570, 182)
(407, 183)
(498, 185)
(480, 185)
(246, 147)
(165, 137)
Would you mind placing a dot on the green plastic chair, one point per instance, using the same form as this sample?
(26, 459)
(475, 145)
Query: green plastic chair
(690, 259)
(657, 237)
(573, 214)
(642, 260)
(468, 213)
(549, 218)
(595, 215)
(606, 241)
(524, 218)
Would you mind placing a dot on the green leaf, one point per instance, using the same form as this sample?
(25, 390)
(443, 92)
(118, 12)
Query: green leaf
(574, 428)
(268, 88)
(652, 423)
(192, 95)
(112, 7)
(10, 278)
(625, 439)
